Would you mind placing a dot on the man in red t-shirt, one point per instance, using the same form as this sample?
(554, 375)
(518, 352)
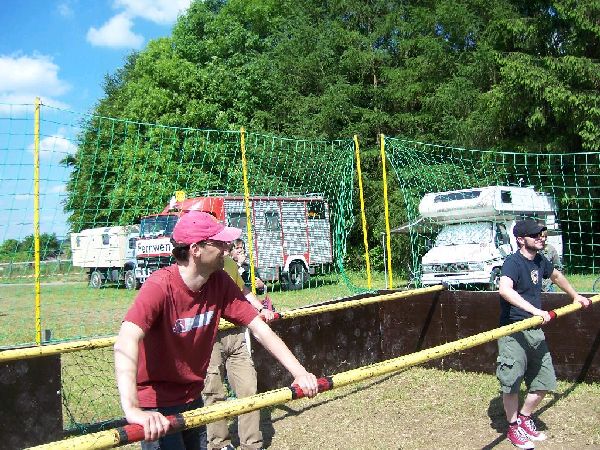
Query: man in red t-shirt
(165, 341)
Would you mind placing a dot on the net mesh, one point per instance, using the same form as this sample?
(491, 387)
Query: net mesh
(104, 173)
(571, 181)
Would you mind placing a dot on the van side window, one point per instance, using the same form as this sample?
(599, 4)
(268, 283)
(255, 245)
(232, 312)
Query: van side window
(501, 235)
(77, 241)
(272, 221)
(237, 220)
(131, 243)
(105, 239)
(315, 210)
(506, 196)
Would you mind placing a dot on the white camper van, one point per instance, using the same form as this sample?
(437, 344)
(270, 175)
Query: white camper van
(108, 253)
(475, 231)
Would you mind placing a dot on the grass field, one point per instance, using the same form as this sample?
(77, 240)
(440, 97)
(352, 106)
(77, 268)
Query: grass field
(418, 408)
(72, 310)
(428, 409)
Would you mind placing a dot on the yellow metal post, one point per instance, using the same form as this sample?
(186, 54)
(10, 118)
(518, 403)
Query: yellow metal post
(36, 220)
(387, 214)
(362, 210)
(247, 204)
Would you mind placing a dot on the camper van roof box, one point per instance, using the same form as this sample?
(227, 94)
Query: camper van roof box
(485, 202)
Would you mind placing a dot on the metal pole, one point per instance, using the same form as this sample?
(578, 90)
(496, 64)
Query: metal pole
(36, 221)
(387, 214)
(247, 205)
(362, 211)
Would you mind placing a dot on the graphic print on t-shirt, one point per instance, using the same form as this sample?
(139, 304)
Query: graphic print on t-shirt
(189, 323)
(534, 276)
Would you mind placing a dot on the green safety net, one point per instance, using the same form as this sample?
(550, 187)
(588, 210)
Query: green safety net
(570, 179)
(99, 173)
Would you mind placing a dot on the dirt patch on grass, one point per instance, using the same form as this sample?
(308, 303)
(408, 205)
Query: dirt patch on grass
(424, 409)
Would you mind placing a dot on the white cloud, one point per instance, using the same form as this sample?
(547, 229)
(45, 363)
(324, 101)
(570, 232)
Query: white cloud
(115, 33)
(163, 12)
(64, 9)
(58, 189)
(56, 144)
(118, 31)
(28, 77)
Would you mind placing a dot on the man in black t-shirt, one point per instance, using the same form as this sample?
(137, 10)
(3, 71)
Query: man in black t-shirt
(524, 355)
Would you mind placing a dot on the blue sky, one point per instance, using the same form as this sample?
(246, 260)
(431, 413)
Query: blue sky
(59, 51)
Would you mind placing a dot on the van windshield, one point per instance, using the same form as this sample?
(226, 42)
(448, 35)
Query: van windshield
(465, 233)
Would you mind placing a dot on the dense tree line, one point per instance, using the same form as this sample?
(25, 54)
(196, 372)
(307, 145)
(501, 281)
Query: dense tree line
(512, 75)
(15, 250)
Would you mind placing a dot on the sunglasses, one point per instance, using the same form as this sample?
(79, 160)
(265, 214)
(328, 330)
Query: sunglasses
(217, 244)
(539, 235)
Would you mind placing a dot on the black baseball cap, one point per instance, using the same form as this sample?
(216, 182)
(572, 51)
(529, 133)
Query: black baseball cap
(527, 228)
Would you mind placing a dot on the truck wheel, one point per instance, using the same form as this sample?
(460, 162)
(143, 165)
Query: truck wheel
(95, 279)
(131, 281)
(494, 279)
(297, 276)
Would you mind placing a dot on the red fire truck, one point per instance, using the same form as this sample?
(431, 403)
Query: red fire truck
(291, 234)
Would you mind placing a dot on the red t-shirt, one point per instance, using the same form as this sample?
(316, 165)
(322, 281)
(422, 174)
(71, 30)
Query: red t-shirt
(180, 326)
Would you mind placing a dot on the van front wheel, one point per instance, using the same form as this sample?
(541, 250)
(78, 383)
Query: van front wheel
(494, 283)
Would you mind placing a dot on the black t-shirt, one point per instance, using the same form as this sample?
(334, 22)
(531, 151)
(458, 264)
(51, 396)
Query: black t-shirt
(527, 278)
(245, 274)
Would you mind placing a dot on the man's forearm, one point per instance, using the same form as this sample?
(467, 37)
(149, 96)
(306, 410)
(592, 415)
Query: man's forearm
(252, 299)
(126, 363)
(561, 281)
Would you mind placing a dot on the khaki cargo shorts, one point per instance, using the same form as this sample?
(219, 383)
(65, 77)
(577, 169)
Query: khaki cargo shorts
(525, 356)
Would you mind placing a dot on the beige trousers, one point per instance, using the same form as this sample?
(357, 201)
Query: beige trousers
(230, 353)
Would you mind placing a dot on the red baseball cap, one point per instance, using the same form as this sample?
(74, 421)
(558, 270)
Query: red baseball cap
(197, 226)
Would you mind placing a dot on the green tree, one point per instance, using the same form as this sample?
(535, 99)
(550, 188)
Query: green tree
(50, 246)
(510, 75)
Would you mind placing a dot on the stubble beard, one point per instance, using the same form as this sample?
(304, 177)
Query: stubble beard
(536, 247)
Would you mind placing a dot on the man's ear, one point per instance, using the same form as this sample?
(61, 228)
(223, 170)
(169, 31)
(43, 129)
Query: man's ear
(195, 249)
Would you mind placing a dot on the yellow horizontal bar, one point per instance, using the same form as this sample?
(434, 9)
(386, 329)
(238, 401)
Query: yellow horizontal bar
(222, 410)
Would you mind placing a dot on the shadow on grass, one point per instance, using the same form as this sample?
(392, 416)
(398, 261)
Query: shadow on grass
(266, 420)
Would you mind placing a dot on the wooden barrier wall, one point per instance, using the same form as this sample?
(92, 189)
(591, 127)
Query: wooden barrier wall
(30, 402)
(342, 340)
(330, 343)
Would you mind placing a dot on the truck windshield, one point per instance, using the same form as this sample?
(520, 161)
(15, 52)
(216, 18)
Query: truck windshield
(465, 233)
(157, 226)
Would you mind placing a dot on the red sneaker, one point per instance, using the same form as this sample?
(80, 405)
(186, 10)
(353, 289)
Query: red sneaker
(527, 424)
(518, 438)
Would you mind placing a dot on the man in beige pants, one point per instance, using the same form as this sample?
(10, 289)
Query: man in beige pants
(231, 353)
